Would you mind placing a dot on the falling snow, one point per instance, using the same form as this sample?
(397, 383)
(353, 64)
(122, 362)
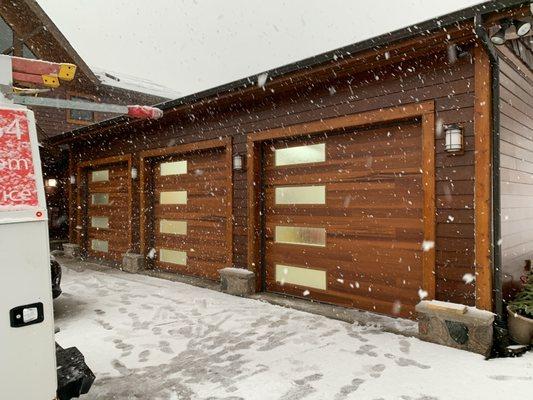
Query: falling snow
(147, 338)
(427, 245)
(422, 294)
(261, 80)
(468, 278)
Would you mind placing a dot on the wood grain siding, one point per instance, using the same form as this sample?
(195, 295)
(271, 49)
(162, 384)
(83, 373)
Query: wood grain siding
(516, 157)
(450, 87)
(189, 186)
(109, 177)
(483, 174)
(372, 212)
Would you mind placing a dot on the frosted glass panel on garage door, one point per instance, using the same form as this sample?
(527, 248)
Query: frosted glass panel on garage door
(173, 227)
(300, 155)
(173, 256)
(99, 199)
(174, 168)
(301, 194)
(100, 245)
(308, 277)
(300, 235)
(100, 222)
(179, 197)
(100, 176)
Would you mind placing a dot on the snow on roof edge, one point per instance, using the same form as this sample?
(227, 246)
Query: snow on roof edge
(133, 83)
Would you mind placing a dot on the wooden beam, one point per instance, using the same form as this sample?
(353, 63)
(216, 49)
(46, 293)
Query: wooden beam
(71, 198)
(483, 175)
(253, 173)
(364, 118)
(229, 205)
(105, 161)
(187, 148)
(144, 205)
(428, 185)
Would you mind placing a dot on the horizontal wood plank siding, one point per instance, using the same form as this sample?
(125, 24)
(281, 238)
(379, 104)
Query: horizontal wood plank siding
(516, 160)
(427, 78)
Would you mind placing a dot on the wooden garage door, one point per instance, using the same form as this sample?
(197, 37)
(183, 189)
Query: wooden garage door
(189, 223)
(344, 217)
(108, 211)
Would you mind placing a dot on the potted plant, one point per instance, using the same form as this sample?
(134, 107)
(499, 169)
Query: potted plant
(520, 312)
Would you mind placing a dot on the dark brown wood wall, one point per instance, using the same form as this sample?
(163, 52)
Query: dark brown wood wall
(53, 121)
(516, 158)
(428, 78)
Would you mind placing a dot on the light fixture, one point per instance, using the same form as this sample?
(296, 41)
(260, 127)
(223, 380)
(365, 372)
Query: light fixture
(51, 182)
(522, 27)
(452, 53)
(133, 173)
(499, 37)
(454, 138)
(237, 162)
(72, 179)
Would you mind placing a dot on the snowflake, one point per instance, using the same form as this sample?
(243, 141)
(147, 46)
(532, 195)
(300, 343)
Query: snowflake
(427, 245)
(468, 278)
(422, 294)
(261, 80)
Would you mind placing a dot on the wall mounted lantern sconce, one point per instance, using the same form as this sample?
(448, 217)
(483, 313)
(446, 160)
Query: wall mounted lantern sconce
(522, 28)
(238, 162)
(72, 179)
(454, 138)
(51, 182)
(134, 173)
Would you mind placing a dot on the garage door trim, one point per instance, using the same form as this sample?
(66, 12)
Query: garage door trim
(425, 111)
(145, 156)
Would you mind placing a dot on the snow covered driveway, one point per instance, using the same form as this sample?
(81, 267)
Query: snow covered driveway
(147, 338)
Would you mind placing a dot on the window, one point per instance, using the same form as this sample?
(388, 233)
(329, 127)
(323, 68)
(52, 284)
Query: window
(8, 40)
(100, 245)
(301, 235)
(80, 117)
(301, 194)
(313, 278)
(6, 37)
(179, 197)
(173, 168)
(300, 155)
(173, 256)
(173, 227)
(27, 53)
(99, 199)
(100, 222)
(100, 176)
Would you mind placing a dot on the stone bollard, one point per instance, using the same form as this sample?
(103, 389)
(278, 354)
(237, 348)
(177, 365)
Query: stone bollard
(132, 262)
(455, 325)
(71, 250)
(237, 281)
(57, 253)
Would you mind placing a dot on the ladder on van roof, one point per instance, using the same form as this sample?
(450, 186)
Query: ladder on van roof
(42, 76)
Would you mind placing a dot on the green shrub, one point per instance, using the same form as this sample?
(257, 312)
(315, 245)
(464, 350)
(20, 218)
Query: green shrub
(523, 302)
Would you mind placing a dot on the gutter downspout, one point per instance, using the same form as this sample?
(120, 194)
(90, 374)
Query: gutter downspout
(495, 150)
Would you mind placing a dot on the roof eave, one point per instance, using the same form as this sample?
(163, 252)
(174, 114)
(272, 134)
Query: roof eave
(346, 51)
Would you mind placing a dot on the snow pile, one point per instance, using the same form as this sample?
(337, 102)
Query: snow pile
(148, 338)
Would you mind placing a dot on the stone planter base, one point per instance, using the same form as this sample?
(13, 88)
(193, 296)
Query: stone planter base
(237, 281)
(520, 328)
(71, 250)
(132, 262)
(455, 325)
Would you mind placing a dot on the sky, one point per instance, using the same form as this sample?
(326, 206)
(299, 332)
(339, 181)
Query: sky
(192, 45)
